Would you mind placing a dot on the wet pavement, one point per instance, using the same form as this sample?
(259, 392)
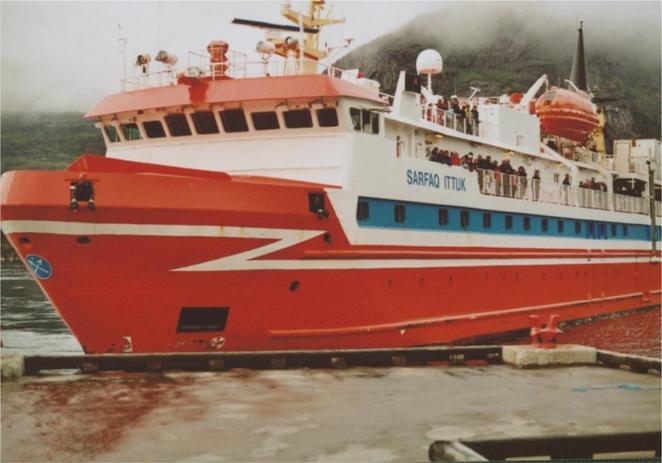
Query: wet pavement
(357, 414)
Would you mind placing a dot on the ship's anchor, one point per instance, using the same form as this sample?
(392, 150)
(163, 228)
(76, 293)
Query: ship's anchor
(81, 190)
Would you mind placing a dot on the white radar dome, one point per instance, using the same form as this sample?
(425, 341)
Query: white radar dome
(429, 62)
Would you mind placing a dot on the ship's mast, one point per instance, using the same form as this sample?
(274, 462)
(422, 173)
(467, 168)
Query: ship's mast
(313, 20)
(578, 74)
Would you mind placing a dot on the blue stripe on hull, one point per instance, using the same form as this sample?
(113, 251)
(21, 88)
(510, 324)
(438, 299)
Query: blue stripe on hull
(419, 216)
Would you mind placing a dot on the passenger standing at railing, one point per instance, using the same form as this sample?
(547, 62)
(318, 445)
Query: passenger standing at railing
(474, 119)
(445, 158)
(506, 169)
(434, 157)
(455, 106)
(566, 188)
(521, 173)
(535, 184)
(466, 116)
(480, 166)
(442, 109)
(455, 158)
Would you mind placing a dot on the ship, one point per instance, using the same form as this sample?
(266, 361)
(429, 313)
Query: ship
(287, 204)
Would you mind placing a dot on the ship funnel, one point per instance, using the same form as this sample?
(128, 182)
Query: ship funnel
(578, 73)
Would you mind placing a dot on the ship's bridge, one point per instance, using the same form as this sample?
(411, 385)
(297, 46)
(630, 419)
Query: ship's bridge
(300, 126)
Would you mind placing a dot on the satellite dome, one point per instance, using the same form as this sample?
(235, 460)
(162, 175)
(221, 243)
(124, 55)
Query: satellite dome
(429, 62)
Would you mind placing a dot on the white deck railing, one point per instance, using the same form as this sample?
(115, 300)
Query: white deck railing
(451, 120)
(495, 183)
(237, 66)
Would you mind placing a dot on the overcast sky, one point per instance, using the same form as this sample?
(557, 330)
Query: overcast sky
(65, 55)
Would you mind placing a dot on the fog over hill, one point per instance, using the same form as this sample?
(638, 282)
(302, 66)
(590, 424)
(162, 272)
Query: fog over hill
(503, 47)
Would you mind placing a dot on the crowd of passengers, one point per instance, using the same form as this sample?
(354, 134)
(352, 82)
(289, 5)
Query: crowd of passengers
(466, 115)
(502, 179)
(513, 184)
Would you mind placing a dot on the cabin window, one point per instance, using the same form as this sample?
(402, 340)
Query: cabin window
(234, 120)
(625, 230)
(487, 220)
(370, 121)
(400, 213)
(178, 125)
(267, 120)
(526, 223)
(603, 230)
(362, 211)
(509, 222)
(131, 131)
(111, 132)
(199, 319)
(464, 219)
(355, 115)
(613, 229)
(364, 120)
(298, 118)
(559, 226)
(578, 227)
(327, 117)
(443, 216)
(154, 129)
(544, 225)
(205, 122)
(591, 229)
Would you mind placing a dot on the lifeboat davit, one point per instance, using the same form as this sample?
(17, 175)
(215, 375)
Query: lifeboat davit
(567, 114)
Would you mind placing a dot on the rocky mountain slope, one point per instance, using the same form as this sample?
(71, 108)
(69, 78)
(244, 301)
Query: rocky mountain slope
(504, 47)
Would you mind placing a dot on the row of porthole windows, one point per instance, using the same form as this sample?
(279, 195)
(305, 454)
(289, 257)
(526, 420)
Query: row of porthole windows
(232, 120)
(400, 217)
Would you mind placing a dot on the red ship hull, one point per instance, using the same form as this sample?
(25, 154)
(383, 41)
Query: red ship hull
(122, 273)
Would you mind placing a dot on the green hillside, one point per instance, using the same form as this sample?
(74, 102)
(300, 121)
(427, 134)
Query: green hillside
(504, 47)
(46, 140)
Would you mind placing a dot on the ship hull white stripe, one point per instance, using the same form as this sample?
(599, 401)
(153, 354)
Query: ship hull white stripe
(285, 238)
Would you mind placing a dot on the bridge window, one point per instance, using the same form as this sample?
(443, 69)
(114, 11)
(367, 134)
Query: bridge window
(112, 134)
(487, 220)
(154, 129)
(578, 227)
(131, 131)
(327, 117)
(560, 226)
(266, 120)
(544, 225)
(234, 120)
(364, 120)
(178, 125)
(204, 122)
(464, 219)
(526, 223)
(298, 118)
(443, 216)
(400, 213)
(509, 222)
(362, 211)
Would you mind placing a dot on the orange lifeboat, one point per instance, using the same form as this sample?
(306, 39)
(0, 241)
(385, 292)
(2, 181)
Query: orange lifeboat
(567, 114)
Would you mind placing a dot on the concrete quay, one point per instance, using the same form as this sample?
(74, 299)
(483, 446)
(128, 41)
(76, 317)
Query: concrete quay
(313, 414)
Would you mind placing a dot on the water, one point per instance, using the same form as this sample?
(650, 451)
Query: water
(31, 326)
(29, 322)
